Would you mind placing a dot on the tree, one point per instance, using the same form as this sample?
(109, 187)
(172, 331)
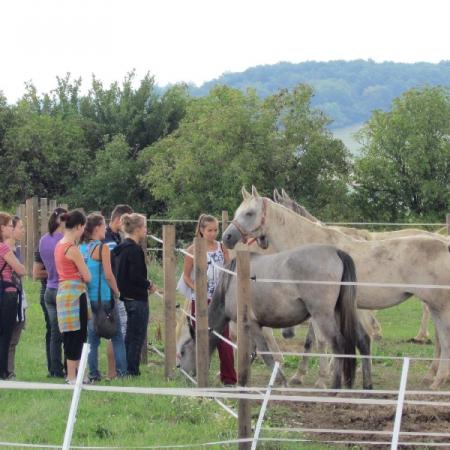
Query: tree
(404, 171)
(229, 139)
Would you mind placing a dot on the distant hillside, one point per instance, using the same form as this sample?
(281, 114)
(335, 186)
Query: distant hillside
(348, 91)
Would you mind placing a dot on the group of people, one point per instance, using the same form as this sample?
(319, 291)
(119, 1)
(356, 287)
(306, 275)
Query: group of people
(85, 265)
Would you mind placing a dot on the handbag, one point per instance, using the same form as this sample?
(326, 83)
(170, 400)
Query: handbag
(105, 324)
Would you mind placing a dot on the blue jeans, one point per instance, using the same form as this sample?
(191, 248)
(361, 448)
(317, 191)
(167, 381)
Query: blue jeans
(137, 321)
(117, 343)
(56, 365)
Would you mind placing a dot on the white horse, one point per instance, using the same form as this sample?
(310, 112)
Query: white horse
(408, 264)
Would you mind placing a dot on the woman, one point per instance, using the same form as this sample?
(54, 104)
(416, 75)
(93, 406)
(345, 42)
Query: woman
(71, 301)
(103, 280)
(46, 251)
(18, 235)
(8, 291)
(217, 255)
(134, 286)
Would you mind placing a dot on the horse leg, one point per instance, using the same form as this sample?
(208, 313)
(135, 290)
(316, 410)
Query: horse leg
(377, 332)
(299, 376)
(423, 335)
(324, 367)
(273, 345)
(261, 345)
(327, 325)
(363, 343)
(432, 370)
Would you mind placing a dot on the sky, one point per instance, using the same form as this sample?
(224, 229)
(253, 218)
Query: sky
(198, 40)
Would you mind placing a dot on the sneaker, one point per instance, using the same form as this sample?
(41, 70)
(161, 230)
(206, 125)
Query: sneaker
(94, 379)
(71, 382)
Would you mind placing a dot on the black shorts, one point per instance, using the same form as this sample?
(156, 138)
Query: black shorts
(73, 340)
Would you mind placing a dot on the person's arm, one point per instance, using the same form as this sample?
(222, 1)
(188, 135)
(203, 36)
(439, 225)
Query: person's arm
(106, 263)
(14, 263)
(39, 272)
(226, 254)
(187, 268)
(75, 255)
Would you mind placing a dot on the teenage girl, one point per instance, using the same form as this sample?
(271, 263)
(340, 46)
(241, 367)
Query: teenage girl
(217, 255)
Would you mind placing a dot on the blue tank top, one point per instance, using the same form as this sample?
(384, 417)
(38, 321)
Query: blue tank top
(86, 250)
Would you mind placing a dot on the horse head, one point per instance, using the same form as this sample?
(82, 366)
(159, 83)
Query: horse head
(249, 221)
(186, 356)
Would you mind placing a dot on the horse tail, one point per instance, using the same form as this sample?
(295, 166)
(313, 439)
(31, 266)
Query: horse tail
(346, 305)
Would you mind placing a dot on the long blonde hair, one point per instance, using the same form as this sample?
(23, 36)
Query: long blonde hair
(131, 222)
(203, 220)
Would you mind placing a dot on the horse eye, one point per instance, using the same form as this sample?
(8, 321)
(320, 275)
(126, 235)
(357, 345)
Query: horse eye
(249, 213)
(182, 353)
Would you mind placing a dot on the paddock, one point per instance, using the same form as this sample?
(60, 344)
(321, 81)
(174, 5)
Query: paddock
(391, 422)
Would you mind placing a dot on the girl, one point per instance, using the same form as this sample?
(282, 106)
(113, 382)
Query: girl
(71, 302)
(102, 276)
(46, 253)
(217, 255)
(131, 274)
(17, 235)
(8, 291)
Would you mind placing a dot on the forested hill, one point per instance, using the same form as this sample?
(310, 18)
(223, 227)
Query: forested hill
(347, 91)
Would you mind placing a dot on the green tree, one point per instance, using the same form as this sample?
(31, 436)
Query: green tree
(229, 139)
(405, 168)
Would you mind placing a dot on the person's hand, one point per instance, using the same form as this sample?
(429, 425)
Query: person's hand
(152, 289)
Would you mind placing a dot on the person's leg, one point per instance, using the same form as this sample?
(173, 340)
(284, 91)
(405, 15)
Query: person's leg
(226, 356)
(48, 331)
(8, 314)
(137, 314)
(73, 343)
(15, 337)
(94, 342)
(118, 345)
(56, 366)
(110, 357)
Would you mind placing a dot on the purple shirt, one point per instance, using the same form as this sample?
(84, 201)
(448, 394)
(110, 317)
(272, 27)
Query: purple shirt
(47, 246)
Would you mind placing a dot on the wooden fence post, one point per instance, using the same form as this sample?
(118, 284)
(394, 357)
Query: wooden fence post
(51, 206)
(448, 224)
(201, 312)
(224, 220)
(44, 216)
(22, 213)
(32, 232)
(243, 342)
(170, 322)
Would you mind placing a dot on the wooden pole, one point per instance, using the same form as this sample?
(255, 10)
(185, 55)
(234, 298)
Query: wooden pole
(243, 342)
(22, 213)
(32, 232)
(51, 206)
(448, 224)
(144, 348)
(170, 321)
(44, 216)
(224, 220)
(201, 311)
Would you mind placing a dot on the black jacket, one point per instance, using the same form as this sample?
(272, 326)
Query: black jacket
(130, 270)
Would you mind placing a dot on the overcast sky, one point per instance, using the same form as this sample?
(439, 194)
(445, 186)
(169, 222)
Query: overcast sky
(197, 40)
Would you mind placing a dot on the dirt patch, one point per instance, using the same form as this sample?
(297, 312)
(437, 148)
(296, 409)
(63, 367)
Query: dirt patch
(416, 418)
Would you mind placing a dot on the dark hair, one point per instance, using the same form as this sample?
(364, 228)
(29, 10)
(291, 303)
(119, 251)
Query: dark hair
(55, 220)
(92, 220)
(201, 223)
(120, 210)
(73, 218)
(15, 220)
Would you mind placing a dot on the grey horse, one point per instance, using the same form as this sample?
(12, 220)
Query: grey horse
(332, 306)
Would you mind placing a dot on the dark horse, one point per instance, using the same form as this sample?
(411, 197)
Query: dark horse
(280, 305)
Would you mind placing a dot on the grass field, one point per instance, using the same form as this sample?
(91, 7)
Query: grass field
(130, 420)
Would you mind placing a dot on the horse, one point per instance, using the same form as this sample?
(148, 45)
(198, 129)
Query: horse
(284, 199)
(398, 261)
(332, 306)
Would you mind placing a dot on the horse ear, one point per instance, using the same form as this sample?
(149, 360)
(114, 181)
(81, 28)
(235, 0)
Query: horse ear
(285, 194)
(254, 192)
(276, 195)
(245, 194)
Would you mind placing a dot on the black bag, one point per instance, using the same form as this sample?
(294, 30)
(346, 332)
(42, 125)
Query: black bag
(105, 324)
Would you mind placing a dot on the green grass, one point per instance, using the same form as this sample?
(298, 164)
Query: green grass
(103, 419)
